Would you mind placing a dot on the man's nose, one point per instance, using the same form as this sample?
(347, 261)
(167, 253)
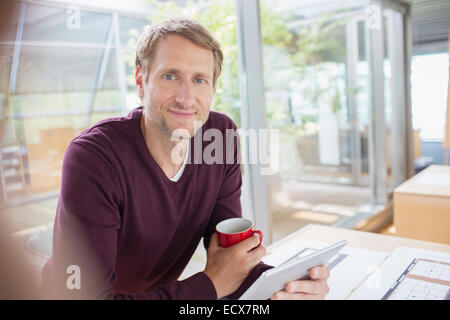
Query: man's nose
(185, 95)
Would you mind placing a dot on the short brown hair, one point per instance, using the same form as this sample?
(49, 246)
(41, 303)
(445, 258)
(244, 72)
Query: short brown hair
(187, 28)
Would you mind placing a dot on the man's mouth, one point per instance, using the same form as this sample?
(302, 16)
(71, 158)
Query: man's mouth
(182, 115)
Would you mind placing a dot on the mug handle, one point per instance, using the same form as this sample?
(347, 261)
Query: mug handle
(260, 234)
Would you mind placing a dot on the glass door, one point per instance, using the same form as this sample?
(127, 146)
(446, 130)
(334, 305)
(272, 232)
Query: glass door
(317, 94)
(335, 87)
(397, 101)
(390, 139)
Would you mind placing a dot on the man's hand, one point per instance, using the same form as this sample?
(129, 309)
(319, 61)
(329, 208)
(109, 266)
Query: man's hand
(228, 267)
(314, 289)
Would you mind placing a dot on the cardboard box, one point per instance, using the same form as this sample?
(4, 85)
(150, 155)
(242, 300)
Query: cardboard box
(422, 206)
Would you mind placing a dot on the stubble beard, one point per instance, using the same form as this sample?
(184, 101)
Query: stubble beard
(161, 123)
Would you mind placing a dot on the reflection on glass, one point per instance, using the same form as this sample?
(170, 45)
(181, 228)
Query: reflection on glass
(72, 73)
(60, 24)
(130, 29)
(65, 78)
(305, 50)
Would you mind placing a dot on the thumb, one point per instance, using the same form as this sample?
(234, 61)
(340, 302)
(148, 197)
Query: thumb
(213, 243)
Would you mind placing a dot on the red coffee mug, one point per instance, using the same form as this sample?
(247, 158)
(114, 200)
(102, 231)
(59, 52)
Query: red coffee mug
(234, 230)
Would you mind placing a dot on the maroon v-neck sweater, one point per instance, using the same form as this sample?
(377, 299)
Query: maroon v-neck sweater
(128, 229)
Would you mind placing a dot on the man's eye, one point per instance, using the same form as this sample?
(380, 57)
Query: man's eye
(169, 77)
(200, 80)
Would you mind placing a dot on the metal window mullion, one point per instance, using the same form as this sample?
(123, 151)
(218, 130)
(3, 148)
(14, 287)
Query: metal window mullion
(120, 61)
(12, 88)
(352, 61)
(100, 73)
(87, 7)
(17, 48)
(407, 47)
(253, 109)
(377, 131)
(395, 5)
(54, 44)
(398, 133)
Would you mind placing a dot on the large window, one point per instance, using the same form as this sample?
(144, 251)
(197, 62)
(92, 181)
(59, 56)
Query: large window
(72, 66)
(305, 79)
(306, 68)
(334, 88)
(68, 70)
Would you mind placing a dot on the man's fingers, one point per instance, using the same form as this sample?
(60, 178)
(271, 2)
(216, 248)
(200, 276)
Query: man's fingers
(257, 254)
(248, 244)
(280, 295)
(306, 289)
(213, 243)
(283, 295)
(305, 286)
(319, 273)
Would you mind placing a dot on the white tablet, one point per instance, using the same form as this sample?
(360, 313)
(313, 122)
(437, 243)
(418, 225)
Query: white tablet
(275, 279)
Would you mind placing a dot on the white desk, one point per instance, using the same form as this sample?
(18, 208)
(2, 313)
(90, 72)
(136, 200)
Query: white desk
(365, 252)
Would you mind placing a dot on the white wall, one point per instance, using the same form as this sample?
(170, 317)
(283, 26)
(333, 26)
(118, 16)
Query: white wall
(429, 83)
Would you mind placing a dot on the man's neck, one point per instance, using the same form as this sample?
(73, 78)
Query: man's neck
(162, 147)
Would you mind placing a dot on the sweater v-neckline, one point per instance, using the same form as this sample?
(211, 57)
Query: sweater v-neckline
(151, 159)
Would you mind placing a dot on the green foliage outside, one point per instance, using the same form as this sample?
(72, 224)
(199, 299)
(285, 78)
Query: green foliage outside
(293, 51)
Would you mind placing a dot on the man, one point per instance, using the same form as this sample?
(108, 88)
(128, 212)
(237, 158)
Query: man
(129, 218)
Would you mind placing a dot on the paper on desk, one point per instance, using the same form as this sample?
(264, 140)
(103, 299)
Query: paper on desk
(408, 273)
(347, 269)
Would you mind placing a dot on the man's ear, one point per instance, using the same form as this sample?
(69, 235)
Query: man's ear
(138, 76)
(139, 81)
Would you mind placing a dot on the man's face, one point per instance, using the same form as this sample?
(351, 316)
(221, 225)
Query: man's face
(179, 87)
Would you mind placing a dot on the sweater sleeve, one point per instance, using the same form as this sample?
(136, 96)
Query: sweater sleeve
(86, 231)
(228, 205)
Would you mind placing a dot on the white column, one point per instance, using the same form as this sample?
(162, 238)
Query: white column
(253, 115)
